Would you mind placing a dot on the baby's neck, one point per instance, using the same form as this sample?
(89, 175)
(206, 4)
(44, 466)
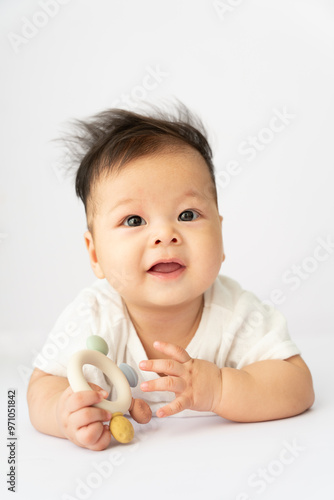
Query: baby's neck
(177, 325)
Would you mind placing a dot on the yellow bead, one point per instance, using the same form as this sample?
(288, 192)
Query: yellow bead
(121, 428)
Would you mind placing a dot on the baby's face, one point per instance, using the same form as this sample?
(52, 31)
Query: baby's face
(157, 230)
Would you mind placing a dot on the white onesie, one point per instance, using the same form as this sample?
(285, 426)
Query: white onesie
(235, 330)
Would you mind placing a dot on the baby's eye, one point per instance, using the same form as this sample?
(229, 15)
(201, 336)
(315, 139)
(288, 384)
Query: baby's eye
(134, 221)
(188, 215)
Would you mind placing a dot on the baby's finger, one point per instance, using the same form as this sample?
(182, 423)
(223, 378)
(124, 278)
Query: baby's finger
(171, 384)
(168, 366)
(97, 388)
(95, 436)
(179, 404)
(103, 441)
(81, 399)
(89, 415)
(174, 351)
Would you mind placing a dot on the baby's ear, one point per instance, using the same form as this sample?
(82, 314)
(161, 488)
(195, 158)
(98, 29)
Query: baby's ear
(92, 255)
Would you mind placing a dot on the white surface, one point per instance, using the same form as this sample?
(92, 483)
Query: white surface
(187, 457)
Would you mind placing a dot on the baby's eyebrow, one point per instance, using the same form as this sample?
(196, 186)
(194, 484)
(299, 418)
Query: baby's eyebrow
(192, 193)
(119, 203)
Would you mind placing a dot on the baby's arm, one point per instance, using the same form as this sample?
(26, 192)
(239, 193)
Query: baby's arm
(56, 410)
(265, 390)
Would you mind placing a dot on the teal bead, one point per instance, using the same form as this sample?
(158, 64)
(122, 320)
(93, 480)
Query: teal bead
(130, 374)
(97, 343)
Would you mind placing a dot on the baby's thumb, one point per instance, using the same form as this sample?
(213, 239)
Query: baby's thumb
(99, 389)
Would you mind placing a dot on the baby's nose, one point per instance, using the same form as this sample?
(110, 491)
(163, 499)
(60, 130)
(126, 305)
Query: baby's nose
(173, 240)
(166, 235)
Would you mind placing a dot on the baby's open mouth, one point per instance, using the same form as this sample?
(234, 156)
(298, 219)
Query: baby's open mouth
(169, 269)
(165, 267)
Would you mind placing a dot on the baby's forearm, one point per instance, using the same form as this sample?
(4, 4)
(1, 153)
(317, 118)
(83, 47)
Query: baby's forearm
(266, 390)
(44, 392)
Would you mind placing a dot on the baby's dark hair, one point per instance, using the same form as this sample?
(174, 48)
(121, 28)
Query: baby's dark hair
(109, 140)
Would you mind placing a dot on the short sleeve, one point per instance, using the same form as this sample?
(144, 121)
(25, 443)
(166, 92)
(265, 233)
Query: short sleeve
(261, 334)
(78, 321)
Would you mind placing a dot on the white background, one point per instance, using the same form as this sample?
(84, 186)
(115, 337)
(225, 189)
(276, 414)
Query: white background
(233, 68)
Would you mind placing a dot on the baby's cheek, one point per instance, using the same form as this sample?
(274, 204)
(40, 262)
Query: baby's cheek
(119, 266)
(119, 279)
(211, 245)
(214, 259)
(206, 269)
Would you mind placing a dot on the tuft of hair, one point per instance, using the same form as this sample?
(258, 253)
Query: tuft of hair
(109, 140)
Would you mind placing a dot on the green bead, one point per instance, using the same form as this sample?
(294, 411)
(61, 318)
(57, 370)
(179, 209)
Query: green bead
(97, 343)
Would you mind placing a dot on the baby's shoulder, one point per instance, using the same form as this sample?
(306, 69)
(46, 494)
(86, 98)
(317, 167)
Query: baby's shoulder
(241, 302)
(229, 294)
(225, 291)
(98, 299)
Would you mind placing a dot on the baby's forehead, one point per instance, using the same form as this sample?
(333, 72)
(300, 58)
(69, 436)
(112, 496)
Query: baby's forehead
(166, 167)
(178, 170)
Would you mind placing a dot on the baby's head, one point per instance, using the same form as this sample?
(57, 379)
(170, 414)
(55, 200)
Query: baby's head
(148, 187)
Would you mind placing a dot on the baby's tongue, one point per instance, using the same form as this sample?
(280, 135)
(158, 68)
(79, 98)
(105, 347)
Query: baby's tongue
(165, 267)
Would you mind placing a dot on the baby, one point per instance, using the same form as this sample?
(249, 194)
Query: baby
(198, 341)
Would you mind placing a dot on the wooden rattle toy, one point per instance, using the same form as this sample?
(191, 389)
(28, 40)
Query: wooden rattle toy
(123, 377)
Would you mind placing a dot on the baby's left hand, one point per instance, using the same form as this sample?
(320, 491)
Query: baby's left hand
(196, 383)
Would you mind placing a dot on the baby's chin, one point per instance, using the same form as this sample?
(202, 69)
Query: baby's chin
(162, 301)
(151, 293)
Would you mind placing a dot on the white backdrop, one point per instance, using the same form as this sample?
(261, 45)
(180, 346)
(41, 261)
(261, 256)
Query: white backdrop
(260, 73)
(238, 65)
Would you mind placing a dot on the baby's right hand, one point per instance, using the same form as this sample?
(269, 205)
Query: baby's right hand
(82, 423)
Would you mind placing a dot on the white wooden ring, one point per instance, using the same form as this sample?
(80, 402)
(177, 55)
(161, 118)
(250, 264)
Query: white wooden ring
(78, 382)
